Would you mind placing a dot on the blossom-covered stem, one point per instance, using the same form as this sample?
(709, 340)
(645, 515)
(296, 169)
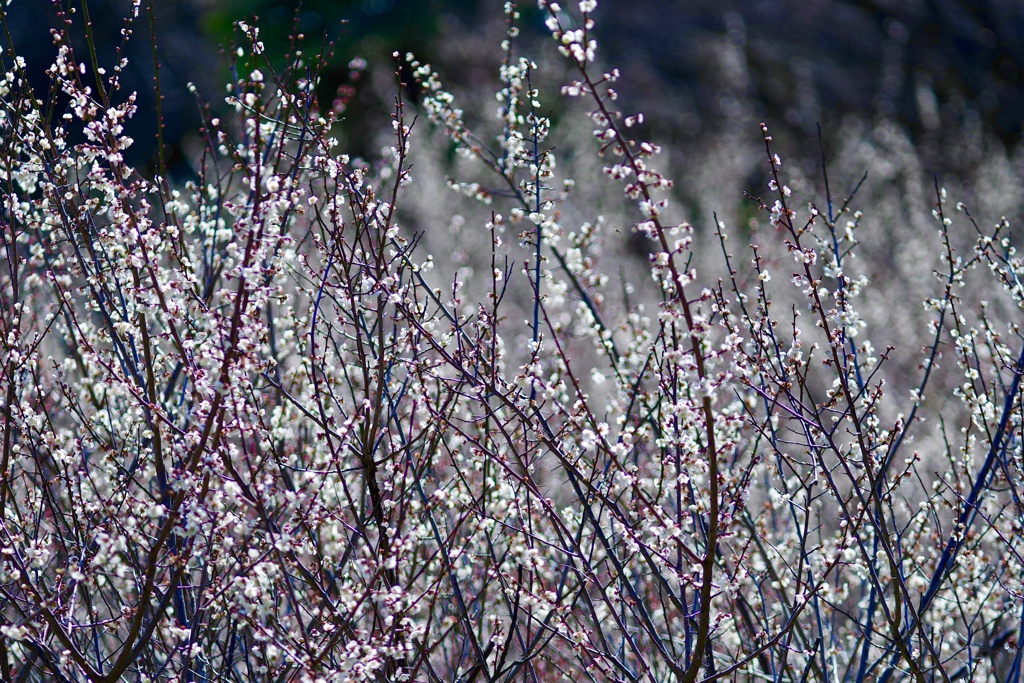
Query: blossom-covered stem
(678, 295)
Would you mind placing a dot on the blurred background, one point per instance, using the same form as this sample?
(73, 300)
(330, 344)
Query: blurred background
(694, 66)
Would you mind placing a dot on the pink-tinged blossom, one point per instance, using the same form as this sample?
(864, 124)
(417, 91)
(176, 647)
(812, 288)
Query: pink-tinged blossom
(251, 427)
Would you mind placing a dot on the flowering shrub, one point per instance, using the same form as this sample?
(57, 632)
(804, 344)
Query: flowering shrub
(250, 432)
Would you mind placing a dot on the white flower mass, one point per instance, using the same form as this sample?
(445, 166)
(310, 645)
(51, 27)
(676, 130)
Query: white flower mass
(253, 430)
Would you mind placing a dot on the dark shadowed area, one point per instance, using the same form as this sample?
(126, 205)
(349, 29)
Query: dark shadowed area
(926, 64)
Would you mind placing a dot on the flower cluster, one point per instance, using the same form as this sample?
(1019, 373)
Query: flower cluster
(251, 432)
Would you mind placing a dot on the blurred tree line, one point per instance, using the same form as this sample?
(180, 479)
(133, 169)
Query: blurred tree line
(927, 64)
